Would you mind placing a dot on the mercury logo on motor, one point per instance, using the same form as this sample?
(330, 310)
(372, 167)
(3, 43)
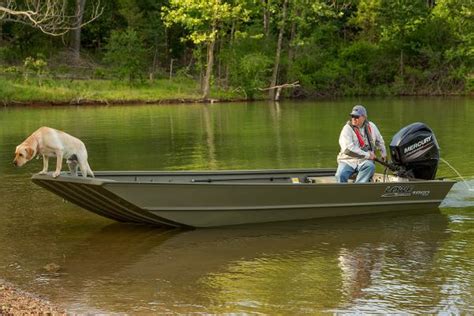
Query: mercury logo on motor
(418, 144)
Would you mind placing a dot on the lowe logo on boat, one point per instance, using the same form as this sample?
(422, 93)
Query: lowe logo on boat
(418, 144)
(398, 191)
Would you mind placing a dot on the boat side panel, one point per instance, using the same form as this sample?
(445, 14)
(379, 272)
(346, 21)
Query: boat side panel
(239, 217)
(240, 196)
(205, 205)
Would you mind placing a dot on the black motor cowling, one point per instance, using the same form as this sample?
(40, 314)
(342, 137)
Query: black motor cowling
(415, 152)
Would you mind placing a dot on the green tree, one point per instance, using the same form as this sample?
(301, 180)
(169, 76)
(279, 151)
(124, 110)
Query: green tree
(144, 16)
(204, 19)
(400, 19)
(251, 73)
(125, 54)
(458, 14)
(367, 18)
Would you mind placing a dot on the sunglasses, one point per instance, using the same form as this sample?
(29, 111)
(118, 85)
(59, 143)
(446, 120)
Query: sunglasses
(355, 116)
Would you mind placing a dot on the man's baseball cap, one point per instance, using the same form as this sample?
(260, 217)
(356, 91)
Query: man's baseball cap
(359, 110)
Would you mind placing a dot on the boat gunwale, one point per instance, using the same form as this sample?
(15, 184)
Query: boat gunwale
(218, 182)
(220, 172)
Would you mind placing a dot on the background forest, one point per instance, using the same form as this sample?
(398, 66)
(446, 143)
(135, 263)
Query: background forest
(331, 48)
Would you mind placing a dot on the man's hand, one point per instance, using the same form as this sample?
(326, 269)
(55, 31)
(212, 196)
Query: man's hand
(372, 155)
(384, 158)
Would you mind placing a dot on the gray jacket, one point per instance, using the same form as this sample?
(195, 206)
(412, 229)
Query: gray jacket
(351, 152)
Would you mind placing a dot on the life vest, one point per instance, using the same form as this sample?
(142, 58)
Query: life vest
(368, 131)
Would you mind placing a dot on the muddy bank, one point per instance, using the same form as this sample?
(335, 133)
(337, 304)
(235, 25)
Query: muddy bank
(117, 102)
(14, 301)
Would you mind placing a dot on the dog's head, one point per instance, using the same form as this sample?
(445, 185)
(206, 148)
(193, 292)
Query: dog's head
(23, 154)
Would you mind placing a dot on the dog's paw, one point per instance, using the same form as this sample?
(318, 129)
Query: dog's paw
(43, 172)
(56, 174)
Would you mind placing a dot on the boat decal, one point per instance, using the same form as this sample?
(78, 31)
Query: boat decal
(399, 190)
(421, 193)
(404, 191)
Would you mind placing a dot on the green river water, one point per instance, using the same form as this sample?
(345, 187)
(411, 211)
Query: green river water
(406, 263)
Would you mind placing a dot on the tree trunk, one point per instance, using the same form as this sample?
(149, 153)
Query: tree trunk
(76, 33)
(167, 45)
(171, 68)
(220, 43)
(210, 63)
(402, 66)
(266, 18)
(231, 44)
(291, 49)
(273, 83)
(154, 65)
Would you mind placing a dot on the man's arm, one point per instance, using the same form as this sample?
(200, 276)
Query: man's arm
(379, 142)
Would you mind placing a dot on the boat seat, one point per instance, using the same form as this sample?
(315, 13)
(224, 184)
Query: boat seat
(326, 179)
(353, 177)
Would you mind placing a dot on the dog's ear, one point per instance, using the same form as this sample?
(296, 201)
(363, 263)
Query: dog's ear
(30, 152)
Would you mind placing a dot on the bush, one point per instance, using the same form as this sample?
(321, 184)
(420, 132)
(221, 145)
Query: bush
(4, 53)
(251, 73)
(99, 73)
(37, 66)
(359, 61)
(126, 55)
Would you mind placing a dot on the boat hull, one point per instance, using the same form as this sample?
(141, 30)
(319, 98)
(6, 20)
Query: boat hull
(209, 199)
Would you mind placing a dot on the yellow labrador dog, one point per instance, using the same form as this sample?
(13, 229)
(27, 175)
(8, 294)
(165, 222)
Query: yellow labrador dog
(50, 142)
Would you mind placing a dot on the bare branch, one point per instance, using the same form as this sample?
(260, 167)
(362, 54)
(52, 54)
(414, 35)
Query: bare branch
(285, 85)
(49, 16)
(280, 87)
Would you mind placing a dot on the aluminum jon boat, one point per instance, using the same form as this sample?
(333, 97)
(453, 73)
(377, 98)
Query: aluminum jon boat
(220, 198)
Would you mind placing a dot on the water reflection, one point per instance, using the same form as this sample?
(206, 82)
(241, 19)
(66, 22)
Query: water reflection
(286, 267)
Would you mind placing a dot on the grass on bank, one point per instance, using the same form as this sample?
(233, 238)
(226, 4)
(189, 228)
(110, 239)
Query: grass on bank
(82, 91)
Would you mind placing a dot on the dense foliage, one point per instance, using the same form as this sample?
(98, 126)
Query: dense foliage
(356, 47)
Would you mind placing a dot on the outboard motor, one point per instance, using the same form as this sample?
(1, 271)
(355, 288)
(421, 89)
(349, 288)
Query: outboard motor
(415, 152)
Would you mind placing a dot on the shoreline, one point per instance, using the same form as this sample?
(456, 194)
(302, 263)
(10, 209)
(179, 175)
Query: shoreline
(14, 301)
(120, 102)
(34, 92)
(92, 102)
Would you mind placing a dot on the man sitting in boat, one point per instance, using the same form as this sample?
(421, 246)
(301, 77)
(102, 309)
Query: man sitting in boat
(358, 140)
